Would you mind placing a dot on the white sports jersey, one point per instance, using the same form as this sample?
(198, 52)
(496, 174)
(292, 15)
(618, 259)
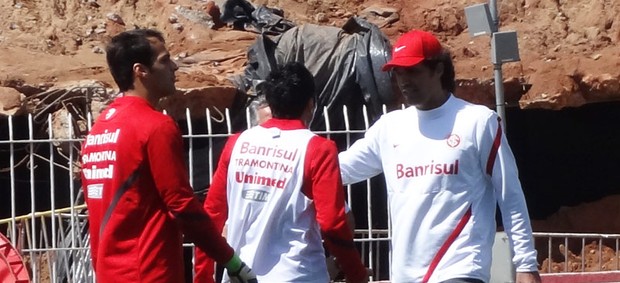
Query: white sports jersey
(445, 170)
(278, 187)
(274, 185)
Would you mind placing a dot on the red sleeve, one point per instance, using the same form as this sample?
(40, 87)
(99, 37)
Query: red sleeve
(165, 153)
(324, 186)
(216, 205)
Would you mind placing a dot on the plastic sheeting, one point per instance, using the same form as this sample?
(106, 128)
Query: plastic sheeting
(346, 64)
(243, 15)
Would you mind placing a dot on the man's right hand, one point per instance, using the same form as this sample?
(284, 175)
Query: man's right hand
(239, 272)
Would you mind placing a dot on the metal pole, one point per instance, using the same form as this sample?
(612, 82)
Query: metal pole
(494, 17)
(497, 70)
(499, 94)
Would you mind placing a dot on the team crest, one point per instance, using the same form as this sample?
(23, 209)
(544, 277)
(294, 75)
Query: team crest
(110, 113)
(453, 140)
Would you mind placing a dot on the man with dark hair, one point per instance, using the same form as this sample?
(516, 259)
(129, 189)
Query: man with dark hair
(278, 189)
(136, 185)
(446, 164)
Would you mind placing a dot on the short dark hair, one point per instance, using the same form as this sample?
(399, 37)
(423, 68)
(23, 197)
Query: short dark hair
(448, 77)
(288, 90)
(128, 48)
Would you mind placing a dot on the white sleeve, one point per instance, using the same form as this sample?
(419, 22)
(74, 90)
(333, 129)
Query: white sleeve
(500, 166)
(362, 160)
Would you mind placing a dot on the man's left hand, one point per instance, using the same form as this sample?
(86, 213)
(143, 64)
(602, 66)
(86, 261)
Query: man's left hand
(528, 277)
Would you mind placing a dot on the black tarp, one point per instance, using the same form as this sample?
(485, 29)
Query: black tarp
(346, 64)
(241, 14)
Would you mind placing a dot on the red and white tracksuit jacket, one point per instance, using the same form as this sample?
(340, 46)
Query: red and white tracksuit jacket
(278, 189)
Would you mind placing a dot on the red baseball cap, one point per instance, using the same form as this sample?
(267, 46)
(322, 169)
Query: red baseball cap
(412, 48)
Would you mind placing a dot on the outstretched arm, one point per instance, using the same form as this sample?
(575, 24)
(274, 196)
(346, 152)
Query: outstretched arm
(165, 159)
(362, 160)
(324, 186)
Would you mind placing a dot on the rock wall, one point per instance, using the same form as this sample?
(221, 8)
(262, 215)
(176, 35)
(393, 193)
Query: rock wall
(568, 49)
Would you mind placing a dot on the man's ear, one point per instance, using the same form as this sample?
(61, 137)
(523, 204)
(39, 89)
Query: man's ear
(140, 70)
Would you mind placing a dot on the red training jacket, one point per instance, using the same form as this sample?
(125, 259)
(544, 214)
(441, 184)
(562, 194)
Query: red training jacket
(139, 199)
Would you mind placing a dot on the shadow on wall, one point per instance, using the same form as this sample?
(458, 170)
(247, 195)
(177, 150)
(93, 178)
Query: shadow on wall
(566, 157)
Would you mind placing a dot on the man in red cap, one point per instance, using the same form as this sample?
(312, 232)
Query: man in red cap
(446, 164)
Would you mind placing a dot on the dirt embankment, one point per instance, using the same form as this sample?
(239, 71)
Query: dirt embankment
(568, 49)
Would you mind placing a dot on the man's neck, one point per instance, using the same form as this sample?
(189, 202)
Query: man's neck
(142, 94)
(435, 101)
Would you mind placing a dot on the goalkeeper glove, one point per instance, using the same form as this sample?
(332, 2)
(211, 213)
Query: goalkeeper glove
(239, 272)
